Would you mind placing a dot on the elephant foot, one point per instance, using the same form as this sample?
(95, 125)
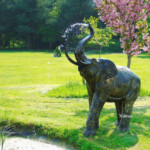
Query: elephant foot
(117, 123)
(123, 129)
(89, 132)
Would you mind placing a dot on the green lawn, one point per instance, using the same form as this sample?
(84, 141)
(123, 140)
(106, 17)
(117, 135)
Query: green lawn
(25, 79)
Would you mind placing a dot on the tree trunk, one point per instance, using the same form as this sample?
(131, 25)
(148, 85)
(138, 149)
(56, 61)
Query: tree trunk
(129, 60)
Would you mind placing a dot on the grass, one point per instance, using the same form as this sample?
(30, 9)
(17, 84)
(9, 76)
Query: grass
(78, 90)
(26, 80)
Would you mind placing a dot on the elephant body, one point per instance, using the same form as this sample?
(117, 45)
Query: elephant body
(106, 82)
(121, 86)
(124, 85)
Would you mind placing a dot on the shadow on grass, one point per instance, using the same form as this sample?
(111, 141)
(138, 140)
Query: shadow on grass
(144, 56)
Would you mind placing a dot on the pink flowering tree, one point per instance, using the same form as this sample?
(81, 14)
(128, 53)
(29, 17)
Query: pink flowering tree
(129, 19)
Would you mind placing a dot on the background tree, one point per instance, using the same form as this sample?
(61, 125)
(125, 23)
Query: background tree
(62, 14)
(102, 36)
(19, 21)
(129, 18)
(37, 24)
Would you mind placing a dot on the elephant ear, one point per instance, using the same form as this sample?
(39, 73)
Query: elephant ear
(109, 69)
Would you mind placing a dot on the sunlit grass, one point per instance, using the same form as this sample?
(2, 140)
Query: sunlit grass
(25, 81)
(71, 89)
(78, 90)
(32, 68)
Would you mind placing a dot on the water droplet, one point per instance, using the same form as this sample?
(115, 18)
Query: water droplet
(71, 35)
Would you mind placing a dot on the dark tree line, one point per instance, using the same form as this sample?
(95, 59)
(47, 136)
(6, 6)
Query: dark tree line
(36, 24)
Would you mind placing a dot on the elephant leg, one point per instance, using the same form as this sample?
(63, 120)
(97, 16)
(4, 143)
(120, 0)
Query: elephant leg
(127, 106)
(93, 117)
(125, 115)
(90, 100)
(90, 95)
(118, 112)
(98, 114)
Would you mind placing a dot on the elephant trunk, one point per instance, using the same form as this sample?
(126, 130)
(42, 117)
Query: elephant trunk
(79, 52)
(70, 59)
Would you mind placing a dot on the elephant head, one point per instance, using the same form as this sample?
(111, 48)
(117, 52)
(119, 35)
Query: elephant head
(92, 69)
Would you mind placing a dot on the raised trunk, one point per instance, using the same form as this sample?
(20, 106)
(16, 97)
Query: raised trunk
(129, 60)
(70, 59)
(79, 52)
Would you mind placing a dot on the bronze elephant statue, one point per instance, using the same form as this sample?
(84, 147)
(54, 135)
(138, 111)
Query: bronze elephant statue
(106, 82)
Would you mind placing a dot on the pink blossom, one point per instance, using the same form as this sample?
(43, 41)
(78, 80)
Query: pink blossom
(145, 48)
(136, 53)
(124, 16)
(145, 35)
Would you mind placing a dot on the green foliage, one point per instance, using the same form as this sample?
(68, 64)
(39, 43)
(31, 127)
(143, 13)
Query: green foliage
(148, 21)
(19, 21)
(39, 23)
(102, 37)
(113, 47)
